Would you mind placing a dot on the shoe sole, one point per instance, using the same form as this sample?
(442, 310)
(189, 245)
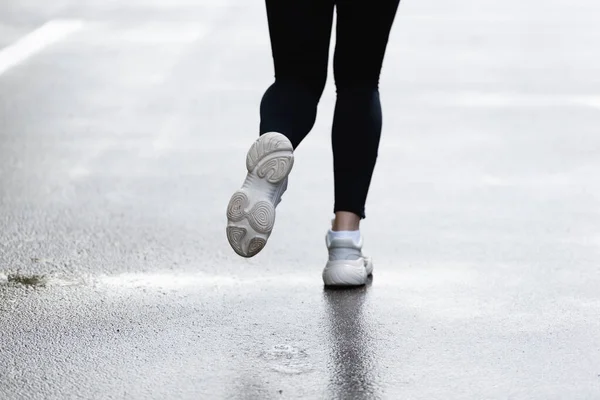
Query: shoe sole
(347, 273)
(251, 210)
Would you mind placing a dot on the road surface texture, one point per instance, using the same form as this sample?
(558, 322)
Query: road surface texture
(123, 132)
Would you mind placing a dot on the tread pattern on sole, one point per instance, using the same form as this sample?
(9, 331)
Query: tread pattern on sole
(237, 205)
(235, 236)
(266, 144)
(255, 246)
(261, 217)
(275, 169)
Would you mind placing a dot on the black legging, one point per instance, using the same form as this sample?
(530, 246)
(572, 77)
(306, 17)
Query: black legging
(300, 32)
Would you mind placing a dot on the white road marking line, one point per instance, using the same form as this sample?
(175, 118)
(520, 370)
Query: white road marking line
(47, 34)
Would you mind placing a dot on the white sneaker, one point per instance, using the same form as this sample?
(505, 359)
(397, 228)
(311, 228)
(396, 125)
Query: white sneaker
(251, 210)
(350, 269)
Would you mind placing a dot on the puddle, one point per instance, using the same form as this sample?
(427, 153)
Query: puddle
(26, 280)
(288, 359)
(34, 280)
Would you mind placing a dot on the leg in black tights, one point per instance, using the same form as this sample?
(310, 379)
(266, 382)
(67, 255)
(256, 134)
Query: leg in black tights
(363, 29)
(300, 32)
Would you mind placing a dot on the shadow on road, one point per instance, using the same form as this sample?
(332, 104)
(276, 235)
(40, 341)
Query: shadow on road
(352, 363)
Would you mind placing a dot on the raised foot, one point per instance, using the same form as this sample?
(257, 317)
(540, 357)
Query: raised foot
(251, 209)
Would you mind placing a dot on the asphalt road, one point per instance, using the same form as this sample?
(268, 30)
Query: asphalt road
(123, 132)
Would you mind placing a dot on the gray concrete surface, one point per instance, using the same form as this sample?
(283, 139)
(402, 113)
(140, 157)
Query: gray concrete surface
(121, 143)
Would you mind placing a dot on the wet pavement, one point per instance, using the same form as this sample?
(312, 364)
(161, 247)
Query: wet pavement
(123, 136)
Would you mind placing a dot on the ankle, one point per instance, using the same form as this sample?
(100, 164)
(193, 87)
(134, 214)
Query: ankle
(346, 221)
